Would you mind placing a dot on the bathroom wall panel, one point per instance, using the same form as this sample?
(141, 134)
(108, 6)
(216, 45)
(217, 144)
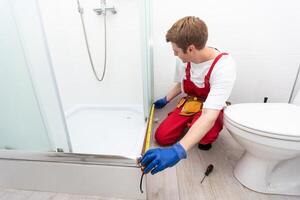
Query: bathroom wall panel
(122, 84)
(262, 36)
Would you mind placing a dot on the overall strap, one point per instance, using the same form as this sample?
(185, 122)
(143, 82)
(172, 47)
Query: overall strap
(207, 77)
(188, 71)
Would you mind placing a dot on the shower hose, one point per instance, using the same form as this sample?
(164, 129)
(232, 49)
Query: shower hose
(80, 10)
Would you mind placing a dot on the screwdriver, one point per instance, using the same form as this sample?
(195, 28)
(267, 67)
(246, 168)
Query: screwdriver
(209, 169)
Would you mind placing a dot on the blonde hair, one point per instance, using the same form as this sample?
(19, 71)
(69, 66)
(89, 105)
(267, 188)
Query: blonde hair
(187, 31)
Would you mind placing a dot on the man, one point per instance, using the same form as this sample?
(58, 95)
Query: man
(207, 77)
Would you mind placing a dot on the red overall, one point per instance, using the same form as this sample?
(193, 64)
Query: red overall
(171, 129)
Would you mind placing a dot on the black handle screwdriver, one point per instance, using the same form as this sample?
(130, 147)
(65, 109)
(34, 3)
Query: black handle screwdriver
(209, 169)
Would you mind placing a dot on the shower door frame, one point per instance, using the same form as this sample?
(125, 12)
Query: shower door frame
(147, 55)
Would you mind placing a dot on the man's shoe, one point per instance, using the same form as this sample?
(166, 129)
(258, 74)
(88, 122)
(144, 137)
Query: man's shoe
(204, 147)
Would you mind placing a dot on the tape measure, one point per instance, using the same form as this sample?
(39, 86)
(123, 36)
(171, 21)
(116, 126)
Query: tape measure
(147, 145)
(149, 129)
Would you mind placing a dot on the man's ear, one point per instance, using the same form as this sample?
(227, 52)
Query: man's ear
(190, 48)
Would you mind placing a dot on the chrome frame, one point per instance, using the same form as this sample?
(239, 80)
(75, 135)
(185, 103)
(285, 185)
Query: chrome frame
(71, 158)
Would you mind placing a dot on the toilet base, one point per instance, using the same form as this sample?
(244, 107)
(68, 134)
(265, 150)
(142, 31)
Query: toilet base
(266, 176)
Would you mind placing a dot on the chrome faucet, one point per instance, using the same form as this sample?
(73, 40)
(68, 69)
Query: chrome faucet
(103, 10)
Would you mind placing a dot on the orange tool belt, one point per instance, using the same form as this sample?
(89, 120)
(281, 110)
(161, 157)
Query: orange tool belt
(190, 105)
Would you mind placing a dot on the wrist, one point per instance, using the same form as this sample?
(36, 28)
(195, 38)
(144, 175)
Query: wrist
(179, 150)
(167, 99)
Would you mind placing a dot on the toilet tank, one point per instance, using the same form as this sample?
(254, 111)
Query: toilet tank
(296, 100)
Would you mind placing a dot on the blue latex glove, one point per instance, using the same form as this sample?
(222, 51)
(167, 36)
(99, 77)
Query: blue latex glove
(156, 160)
(160, 103)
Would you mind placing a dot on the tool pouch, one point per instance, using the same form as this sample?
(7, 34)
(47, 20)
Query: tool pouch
(190, 105)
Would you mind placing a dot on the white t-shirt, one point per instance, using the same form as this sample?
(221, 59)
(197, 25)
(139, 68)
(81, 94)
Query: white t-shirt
(222, 79)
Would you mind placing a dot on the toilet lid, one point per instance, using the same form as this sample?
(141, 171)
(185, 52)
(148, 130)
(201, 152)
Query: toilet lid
(280, 120)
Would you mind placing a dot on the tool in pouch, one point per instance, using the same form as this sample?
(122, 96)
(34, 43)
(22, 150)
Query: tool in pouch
(146, 146)
(190, 105)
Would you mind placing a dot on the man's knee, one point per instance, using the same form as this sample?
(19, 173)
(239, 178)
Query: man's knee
(162, 137)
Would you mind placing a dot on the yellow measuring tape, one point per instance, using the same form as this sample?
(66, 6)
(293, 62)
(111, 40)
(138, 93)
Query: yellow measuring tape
(149, 129)
(146, 145)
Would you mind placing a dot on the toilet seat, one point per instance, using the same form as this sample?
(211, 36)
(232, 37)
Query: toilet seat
(275, 120)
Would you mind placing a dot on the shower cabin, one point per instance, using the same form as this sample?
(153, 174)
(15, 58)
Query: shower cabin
(76, 93)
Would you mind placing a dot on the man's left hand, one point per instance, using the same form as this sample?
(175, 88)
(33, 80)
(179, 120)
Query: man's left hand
(156, 160)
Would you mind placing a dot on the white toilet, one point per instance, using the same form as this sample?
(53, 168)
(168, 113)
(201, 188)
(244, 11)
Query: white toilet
(270, 133)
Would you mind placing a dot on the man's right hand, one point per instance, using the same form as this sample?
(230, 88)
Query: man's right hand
(160, 103)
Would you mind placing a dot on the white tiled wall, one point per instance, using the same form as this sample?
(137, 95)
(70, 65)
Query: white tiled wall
(77, 85)
(262, 36)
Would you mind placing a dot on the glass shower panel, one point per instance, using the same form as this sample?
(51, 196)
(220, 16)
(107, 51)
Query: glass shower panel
(21, 124)
(147, 55)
